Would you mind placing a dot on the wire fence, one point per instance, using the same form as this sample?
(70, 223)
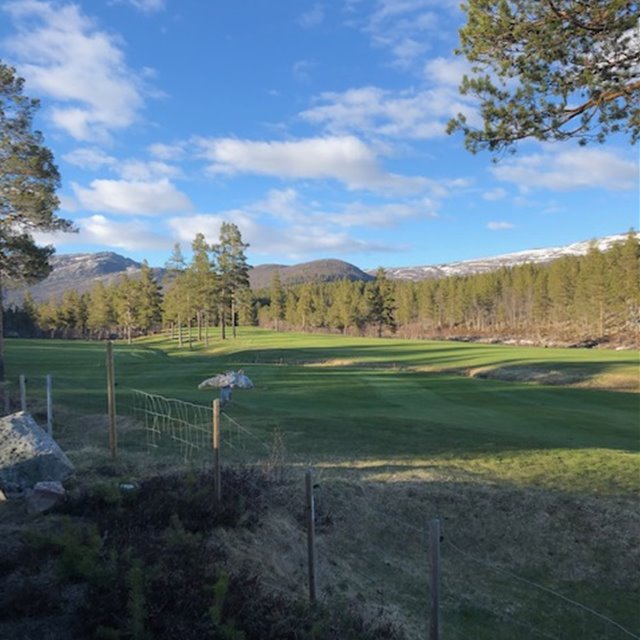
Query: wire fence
(368, 549)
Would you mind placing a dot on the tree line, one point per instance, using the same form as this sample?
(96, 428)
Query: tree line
(571, 298)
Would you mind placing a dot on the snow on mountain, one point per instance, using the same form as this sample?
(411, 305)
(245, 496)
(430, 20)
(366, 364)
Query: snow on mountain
(483, 265)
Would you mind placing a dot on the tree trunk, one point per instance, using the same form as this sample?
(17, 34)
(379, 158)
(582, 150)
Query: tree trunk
(199, 316)
(223, 332)
(233, 316)
(179, 331)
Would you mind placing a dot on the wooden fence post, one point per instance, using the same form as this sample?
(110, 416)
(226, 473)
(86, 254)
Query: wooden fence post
(311, 535)
(111, 401)
(434, 552)
(49, 404)
(217, 475)
(23, 392)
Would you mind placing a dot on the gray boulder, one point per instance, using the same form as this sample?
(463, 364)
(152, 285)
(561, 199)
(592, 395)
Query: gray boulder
(45, 495)
(28, 454)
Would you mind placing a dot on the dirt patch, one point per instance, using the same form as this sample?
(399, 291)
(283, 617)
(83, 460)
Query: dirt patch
(334, 362)
(556, 377)
(529, 374)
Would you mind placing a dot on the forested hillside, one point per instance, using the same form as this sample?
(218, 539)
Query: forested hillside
(595, 297)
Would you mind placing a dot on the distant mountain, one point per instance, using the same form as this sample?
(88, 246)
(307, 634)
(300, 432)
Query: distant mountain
(81, 270)
(318, 270)
(482, 265)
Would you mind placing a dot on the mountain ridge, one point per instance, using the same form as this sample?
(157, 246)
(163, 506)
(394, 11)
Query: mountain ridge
(81, 271)
(483, 265)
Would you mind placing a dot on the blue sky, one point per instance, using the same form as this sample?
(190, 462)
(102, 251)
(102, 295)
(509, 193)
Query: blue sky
(316, 127)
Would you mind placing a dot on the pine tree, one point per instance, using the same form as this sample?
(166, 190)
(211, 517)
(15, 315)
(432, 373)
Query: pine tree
(381, 302)
(203, 282)
(278, 300)
(232, 271)
(173, 305)
(101, 315)
(28, 182)
(305, 306)
(148, 311)
(552, 70)
(629, 280)
(30, 311)
(127, 298)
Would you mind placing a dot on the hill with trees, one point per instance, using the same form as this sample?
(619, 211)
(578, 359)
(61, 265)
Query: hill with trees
(329, 270)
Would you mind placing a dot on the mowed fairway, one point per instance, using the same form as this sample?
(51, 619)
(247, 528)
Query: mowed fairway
(533, 478)
(364, 402)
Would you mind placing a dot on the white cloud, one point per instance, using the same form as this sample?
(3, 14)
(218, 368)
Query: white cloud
(285, 223)
(131, 197)
(168, 151)
(65, 56)
(494, 194)
(447, 71)
(147, 6)
(140, 170)
(301, 70)
(90, 158)
(357, 214)
(312, 18)
(499, 226)
(286, 205)
(343, 158)
(295, 242)
(412, 114)
(405, 28)
(132, 235)
(283, 204)
(570, 169)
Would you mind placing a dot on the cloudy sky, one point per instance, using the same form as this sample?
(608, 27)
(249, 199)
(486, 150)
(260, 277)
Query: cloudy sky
(317, 127)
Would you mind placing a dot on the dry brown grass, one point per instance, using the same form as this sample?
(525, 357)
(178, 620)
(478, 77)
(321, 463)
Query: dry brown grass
(559, 377)
(372, 544)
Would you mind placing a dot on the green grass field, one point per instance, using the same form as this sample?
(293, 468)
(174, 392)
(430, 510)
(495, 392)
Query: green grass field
(530, 456)
(366, 402)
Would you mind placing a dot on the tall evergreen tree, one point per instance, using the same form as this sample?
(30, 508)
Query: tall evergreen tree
(232, 270)
(203, 281)
(381, 302)
(148, 311)
(127, 299)
(278, 300)
(101, 316)
(28, 182)
(173, 310)
(630, 280)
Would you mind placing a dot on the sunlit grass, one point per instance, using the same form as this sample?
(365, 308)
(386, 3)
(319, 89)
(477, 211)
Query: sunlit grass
(353, 400)
(530, 456)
